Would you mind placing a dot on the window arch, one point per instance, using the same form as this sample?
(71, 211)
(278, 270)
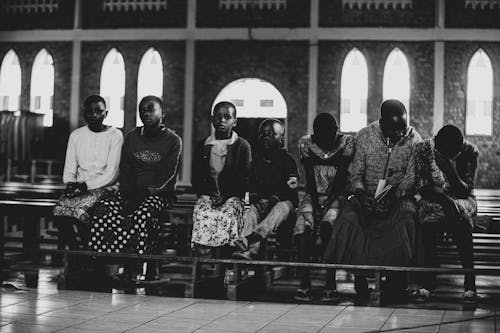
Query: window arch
(353, 92)
(112, 87)
(10, 82)
(397, 78)
(254, 98)
(42, 86)
(479, 117)
(150, 77)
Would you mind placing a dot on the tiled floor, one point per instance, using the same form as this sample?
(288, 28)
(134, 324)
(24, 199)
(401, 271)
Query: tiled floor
(45, 310)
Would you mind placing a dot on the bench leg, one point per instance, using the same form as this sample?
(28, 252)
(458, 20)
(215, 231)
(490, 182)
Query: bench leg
(377, 293)
(31, 236)
(198, 287)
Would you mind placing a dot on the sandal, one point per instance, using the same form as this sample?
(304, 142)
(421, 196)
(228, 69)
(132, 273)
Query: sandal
(303, 295)
(470, 297)
(422, 295)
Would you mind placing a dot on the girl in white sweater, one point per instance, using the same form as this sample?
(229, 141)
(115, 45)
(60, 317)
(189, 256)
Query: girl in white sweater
(90, 170)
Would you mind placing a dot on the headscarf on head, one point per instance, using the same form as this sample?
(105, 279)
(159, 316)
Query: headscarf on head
(325, 130)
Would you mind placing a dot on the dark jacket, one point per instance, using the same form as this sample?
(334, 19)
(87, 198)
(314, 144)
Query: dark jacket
(233, 179)
(268, 178)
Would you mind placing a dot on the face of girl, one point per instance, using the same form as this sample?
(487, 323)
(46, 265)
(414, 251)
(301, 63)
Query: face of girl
(95, 113)
(151, 113)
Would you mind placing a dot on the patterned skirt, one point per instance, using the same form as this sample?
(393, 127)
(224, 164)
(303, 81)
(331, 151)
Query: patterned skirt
(114, 231)
(217, 226)
(80, 207)
(305, 213)
(431, 212)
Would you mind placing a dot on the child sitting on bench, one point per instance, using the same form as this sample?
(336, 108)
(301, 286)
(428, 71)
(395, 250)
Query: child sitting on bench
(445, 170)
(90, 169)
(273, 190)
(221, 166)
(128, 221)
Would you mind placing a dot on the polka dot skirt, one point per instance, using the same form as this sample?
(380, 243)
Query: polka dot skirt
(113, 231)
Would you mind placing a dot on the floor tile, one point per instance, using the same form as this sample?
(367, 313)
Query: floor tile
(26, 328)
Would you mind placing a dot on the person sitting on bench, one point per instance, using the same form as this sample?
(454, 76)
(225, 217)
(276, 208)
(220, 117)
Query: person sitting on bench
(325, 155)
(90, 169)
(221, 167)
(128, 221)
(273, 190)
(376, 225)
(445, 172)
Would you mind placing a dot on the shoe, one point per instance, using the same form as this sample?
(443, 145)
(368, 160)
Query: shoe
(470, 296)
(422, 295)
(330, 295)
(242, 255)
(303, 295)
(241, 244)
(361, 288)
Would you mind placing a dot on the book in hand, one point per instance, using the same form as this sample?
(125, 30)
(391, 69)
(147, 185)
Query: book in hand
(382, 190)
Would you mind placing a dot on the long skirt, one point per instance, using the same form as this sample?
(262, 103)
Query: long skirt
(432, 212)
(114, 231)
(80, 207)
(359, 239)
(217, 226)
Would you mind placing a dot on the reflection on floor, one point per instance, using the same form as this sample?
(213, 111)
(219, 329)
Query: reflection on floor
(46, 309)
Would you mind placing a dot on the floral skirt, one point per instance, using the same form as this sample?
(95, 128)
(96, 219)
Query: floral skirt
(217, 226)
(431, 212)
(114, 231)
(80, 207)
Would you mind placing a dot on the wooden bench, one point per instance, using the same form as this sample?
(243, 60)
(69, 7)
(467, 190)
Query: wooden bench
(204, 274)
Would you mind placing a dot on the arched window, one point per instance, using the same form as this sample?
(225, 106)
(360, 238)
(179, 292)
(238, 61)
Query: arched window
(113, 87)
(10, 82)
(353, 92)
(150, 78)
(255, 100)
(479, 95)
(42, 86)
(397, 78)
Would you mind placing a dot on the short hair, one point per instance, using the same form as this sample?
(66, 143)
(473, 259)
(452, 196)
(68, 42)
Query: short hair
(391, 107)
(224, 104)
(148, 98)
(449, 138)
(324, 120)
(93, 99)
(271, 121)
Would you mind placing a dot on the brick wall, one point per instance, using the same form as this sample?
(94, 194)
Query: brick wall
(175, 15)
(420, 58)
(172, 54)
(55, 136)
(285, 65)
(457, 16)
(422, 14)
(457, 57)
(60, 19)
(296, 14)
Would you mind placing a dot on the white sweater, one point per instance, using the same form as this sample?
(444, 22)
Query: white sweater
(93, 158)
